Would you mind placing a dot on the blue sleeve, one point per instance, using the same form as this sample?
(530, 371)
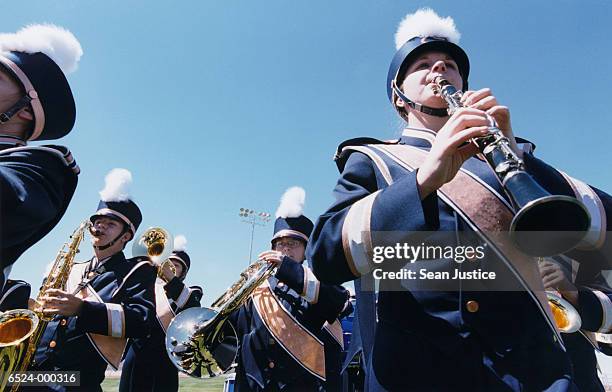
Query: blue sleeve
(596, 248)
(336, 247)
(18, 296)
(137, 301)
(35, 187)
(326, 300)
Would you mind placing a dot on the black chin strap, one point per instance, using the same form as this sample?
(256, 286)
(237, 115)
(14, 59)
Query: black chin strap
(23, 102)
(103, 247)
(438, 112)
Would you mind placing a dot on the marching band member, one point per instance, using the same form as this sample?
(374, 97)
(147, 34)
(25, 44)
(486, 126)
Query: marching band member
(15, 295)
(36, 103)
(468, 335)
(584, 286)
(147, 366)
(291, 357)
(115, 297)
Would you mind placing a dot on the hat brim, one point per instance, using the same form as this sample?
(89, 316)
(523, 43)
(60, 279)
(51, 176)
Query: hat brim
(453, 50)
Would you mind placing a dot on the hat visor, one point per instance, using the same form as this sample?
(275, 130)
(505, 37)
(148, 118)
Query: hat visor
(453, 50)
(109, 214)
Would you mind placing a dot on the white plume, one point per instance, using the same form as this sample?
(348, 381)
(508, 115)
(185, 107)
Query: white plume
(117, 186)
(292, 203)
(425, 23)
(54, 41)
(180, 243)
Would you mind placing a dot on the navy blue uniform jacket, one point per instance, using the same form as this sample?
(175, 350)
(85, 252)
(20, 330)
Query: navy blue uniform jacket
(262, 362)
(428, 340)
(72, 348)
(15, 295)
(147, 366)
(36, 186)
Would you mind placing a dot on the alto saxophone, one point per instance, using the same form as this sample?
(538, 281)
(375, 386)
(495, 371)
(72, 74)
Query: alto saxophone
(22, 329)
(544, 224)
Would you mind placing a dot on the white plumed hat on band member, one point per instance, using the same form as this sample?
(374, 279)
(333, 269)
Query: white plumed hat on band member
(39, 57)
(116, 200)
(290, 221)
(421, 32)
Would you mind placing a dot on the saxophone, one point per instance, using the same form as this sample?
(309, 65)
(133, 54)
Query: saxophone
(544, 224)
(22, 329)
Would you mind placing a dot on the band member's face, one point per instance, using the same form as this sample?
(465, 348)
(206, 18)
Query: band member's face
(417, 84)
(107, 229)
(178, 266)
(10, 91)
(292, 248)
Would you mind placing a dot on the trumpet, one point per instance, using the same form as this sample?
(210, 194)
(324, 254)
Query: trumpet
(156, 244)
(558, 222)
(200, 341)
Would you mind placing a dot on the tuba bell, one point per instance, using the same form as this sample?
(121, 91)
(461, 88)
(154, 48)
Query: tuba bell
(156, 244)
(200, 341)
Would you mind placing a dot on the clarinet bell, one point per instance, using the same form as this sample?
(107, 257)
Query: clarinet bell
(545, 224)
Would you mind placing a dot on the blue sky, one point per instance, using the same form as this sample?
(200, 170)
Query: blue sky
(217, 105)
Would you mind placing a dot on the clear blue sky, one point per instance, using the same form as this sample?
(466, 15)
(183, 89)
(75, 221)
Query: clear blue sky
(217, 105)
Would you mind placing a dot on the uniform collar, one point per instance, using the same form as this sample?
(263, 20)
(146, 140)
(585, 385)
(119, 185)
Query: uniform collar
(10, 142)
(109, 261)
(418, 137)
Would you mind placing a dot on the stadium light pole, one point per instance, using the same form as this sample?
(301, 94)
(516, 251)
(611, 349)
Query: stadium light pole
(253, 218)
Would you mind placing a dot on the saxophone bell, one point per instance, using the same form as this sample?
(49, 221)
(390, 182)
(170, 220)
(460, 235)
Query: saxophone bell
(22, 329)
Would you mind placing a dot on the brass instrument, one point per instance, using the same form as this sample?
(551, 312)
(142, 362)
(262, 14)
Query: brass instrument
(199, 341)
(22, 329)
(156, 244)
(544, 224)
(566, 317)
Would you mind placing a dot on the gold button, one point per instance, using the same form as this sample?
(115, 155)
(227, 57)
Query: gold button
(52, 344)
(90, 275)
(271, 365)
(472, 306)
(63, 322)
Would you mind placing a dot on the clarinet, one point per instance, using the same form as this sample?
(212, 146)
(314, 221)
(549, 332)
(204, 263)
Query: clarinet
(543, 224)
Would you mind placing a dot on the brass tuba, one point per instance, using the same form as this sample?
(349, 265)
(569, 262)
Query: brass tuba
(156, 244)
(200, 341)
(544, 224)
(22, 329)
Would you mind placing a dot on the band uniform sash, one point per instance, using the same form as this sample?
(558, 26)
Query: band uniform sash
(335, 330)
(297, 341)
(111, 349)
(490, 216)
(164, 311)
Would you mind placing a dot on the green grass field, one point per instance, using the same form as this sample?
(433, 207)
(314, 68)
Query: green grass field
(186, 384)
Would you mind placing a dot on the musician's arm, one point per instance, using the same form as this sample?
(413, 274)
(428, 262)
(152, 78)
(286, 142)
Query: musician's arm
(32, 194)
(183, 296)
(132, 317)
(328, 299)
(596, 248)
(15, 296)
(336, 249)
(595, 306)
